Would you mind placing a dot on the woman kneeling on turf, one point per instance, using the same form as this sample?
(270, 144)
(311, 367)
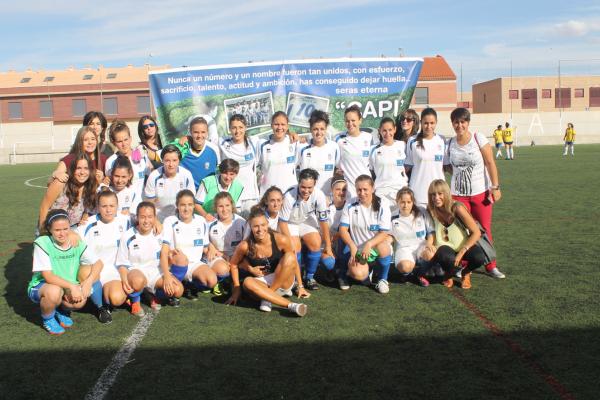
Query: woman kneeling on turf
(139, 262)
(57, 258)
(270, 261)
(364, 228)
(456, 235)
(185, 241)
(412, 230)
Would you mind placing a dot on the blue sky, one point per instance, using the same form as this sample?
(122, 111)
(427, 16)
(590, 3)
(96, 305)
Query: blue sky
(482, 36)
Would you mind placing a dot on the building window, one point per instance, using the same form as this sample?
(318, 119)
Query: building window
(79, 107)
(25, 80)
(595, 97)
(484, 98)
(513, 94)
(87, 77)
(48, 79)
(546, 93)
(112, 75)
(421, 95)
(110, 106)
(143, 104)
(578, 93)
(15, 110)
(562, 98)
(528, 98)
(46, 110)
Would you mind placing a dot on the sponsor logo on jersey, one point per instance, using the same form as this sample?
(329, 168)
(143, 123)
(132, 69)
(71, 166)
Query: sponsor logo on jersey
(439, 157)
(374, 227)
(328, 167)
(248, 157)
(365, 153)
(291, 159)
(197, 242)
(399, 163)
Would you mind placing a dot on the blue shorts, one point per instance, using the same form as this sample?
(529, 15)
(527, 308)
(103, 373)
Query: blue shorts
(498, 145)
(34, 292)
(569, 143)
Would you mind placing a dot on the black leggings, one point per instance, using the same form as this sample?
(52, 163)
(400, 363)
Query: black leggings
(445, 256)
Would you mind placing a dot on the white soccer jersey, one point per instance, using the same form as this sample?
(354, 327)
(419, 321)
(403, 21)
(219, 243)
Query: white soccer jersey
(427, 164)
(322, 159)
(141, 169)
(190, 238)
(297, 211)
(388, 164)
(226, 237)
(128, 200)
(277, 162)
(354, 157)
(335, 215)
(103, 238)
(468, 169)
(364, 223)
(273, 222)
(247, 158)
(139, 251)
(164, 190)
(410, 231)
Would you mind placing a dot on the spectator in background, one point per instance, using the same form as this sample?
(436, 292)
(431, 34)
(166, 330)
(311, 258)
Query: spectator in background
(407, 125)
(569, 139)
(507, 137)
(499, 141)
(150, 141)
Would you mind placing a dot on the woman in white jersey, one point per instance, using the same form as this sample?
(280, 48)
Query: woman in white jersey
(243, 149)
(387, 163)
(336, 208)
(364, 228)
(165, 182)
(304, 213)
(355, 148)
(320, 154)
(138, 261)
(475, 181)
(271, 202)
(120, 183)
(120, 137)
(425, 157)
(412, 231)
(102, 233)
(185, 242)
(277, 156)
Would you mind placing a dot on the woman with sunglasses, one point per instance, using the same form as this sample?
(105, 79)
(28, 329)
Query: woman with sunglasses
(456, 235)
(150, 139)
(407, 125)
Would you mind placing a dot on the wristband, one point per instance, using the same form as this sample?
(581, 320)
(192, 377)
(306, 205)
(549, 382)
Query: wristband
(497, 187)
(300, 286)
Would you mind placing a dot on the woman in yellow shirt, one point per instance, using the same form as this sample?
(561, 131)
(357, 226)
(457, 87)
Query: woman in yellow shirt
(569, 139)
(498, 141)
(507, 137)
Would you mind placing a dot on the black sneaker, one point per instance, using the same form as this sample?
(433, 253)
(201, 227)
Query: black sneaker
(329, 276)
(173, 302)
(190, 294)
(104, 315)
(311, 284)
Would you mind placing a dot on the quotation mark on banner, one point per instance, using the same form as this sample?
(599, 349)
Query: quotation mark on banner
(340, 105)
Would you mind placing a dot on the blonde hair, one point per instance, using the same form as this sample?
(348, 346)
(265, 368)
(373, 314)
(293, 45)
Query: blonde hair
(444, 213)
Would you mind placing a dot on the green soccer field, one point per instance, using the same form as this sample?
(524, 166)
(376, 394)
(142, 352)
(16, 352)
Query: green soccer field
(534, 335)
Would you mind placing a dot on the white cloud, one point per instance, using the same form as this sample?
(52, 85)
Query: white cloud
(572, 28)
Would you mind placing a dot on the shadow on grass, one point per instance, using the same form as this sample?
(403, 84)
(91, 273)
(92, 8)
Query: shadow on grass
(18, 274)
(395, 366)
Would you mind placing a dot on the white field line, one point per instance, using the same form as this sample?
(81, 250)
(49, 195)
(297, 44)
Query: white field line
(109, 375)
(28, 182)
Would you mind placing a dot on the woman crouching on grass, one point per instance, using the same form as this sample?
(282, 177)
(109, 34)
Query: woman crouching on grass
(270, 261)
(57, 258)
(456, 235)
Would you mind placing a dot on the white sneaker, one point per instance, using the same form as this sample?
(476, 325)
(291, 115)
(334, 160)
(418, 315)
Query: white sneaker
(298, 308)
(495, 273)
(284, 293)
(265, 306)
(383, 286)
(344, 285)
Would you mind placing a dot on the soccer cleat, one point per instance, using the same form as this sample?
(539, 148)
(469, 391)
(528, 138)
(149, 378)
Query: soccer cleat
(466, 281)
(53, 327)
(343, 282)
(311, 284)
(137, 310)
(64, 320)
(448, 283)
(298, 308)
(422, 281)
(495, 273)
(104, 315)
(265, 306)
(155, 304)
(190, 294)
(383, 286)
(173, 302)
(217, 291)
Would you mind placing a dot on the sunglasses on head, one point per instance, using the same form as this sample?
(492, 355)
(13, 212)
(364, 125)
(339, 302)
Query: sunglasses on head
(150, 125)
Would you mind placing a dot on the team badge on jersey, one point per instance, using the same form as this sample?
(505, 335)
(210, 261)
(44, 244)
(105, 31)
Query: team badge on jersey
(160, 184)
(198, 231)
(206, 165)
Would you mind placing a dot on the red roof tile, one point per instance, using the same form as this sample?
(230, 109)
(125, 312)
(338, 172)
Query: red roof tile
(436, 69)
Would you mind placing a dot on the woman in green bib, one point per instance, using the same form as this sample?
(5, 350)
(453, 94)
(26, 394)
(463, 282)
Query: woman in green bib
(56, 261)
(224, 181)
(456, 235)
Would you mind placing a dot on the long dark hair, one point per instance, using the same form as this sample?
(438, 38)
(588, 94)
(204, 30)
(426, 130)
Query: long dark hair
(255, 212)
(386, 120)
(407, 114)
(141, 134)
(424, 113)
(89, 187)
(406, 190)
(376, 205)
(264, 200)
(242, 119)
(87, 119)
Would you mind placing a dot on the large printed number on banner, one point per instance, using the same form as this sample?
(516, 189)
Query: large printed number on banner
(304, 107)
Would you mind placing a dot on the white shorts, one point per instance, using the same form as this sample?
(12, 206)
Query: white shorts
(308, 226)
(152, 275)
(408, 253)
(190, 271)
(109, 273)
(268, 279)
